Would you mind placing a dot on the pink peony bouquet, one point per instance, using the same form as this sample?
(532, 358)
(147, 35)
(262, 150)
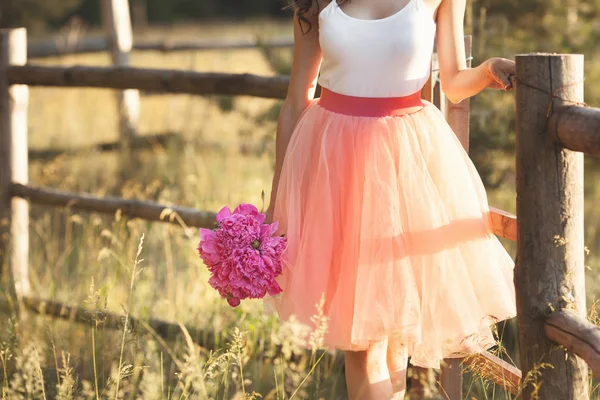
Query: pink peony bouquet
(242, 255)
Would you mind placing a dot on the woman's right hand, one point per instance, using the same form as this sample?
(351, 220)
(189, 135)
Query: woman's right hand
(501, 72)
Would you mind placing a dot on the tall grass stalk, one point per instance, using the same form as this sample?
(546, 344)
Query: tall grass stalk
(55, 357)
(134, 272)
(94, 362)
(162, 374)
(38, 368)
(4, 357)
(307, 375)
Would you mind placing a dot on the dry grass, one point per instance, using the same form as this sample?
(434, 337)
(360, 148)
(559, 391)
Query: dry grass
(89, 259)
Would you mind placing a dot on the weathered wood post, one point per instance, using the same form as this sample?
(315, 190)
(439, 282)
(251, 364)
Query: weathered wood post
(14, 212)
(422, 380)
(457, 116)
(550, 271)
(118, 25)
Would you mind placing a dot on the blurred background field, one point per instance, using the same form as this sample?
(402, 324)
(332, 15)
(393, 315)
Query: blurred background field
(87, 259)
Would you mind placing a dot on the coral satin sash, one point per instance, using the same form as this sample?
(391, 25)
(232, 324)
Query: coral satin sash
(368, 106)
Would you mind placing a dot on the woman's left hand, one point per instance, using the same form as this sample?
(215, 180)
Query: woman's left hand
(501, 72)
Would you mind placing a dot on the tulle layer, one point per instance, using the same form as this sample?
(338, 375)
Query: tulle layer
(387, 218)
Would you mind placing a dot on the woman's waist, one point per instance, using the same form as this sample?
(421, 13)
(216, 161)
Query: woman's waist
(370, 106)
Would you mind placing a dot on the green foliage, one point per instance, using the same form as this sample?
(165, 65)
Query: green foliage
(161, 10)
(41, 15)
(36, 14)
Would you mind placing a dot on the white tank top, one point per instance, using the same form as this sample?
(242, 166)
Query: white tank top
(387, 57)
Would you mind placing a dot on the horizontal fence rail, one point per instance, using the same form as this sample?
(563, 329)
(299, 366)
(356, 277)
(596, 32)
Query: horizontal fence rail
(137, 143)
(153, 142)
(44, 49)
(504, 224)
(147, 210)
(485, 364)
(111, 320)
(576, 128)
(155, 80)
(496, 370)
(163, 329)
(577, 335)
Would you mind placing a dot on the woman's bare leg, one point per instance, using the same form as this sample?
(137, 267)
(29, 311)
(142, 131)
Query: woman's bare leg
(367, 375)
(397, 363)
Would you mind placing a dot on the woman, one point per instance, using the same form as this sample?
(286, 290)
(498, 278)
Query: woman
(386, 218)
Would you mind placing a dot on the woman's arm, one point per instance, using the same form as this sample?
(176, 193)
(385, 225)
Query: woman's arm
(458, 81)
(303, 80)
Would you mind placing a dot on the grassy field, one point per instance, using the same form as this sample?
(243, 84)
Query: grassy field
(101, 262)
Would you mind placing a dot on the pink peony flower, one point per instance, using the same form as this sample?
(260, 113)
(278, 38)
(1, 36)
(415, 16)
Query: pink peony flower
(233, 301)
(242, 255)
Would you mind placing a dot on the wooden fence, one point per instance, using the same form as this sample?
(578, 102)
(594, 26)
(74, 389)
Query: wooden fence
(119, 34)
(90, 45)
(119, 42)
(553, 127)
(151, 80)
(549, 277)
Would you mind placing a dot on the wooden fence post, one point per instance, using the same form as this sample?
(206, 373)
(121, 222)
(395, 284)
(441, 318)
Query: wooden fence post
(118, 25)
(457, 116)
(427, 91)
(550, 250)
(14, 212)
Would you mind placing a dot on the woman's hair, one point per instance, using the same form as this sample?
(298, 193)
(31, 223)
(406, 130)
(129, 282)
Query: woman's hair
(304, 6)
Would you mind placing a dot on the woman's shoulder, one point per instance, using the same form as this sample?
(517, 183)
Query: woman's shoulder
(319, 5)
(311, 9)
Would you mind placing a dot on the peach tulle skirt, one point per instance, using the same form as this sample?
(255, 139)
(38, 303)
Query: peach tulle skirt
(387, 218)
